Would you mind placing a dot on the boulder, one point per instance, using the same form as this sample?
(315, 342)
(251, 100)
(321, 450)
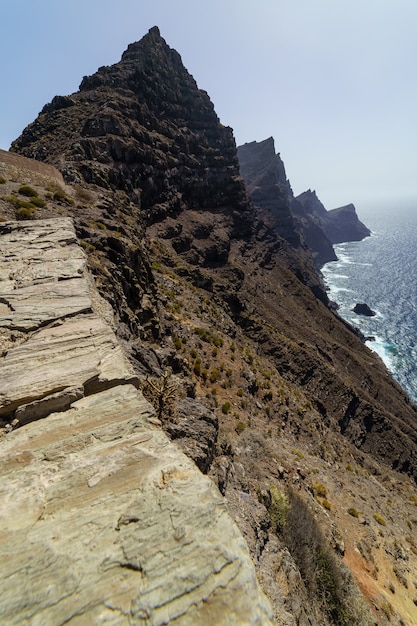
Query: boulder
(361, 308)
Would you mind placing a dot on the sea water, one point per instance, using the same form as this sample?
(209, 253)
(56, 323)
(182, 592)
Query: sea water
(381, 270)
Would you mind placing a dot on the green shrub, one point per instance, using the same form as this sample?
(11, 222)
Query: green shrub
(197, 367)
(3, 181)
(59, 195)
(240, 427)
(18, 203)
(298, 453)
(26, 190)
(320, 490)
(177, 343)
(214, 375)
(26, 213)
(38, 202)
(353, 512)
(226, 408)
(387, 608)
(379, 519)
(278, 509)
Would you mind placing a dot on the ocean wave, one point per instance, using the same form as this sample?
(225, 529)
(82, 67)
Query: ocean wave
(386, 350)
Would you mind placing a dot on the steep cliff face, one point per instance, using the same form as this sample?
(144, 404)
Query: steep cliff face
(266, 182)
(233, 307)
(264, 174)
(340, 224)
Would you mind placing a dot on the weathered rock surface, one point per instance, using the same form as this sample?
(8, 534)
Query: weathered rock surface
(44, 291)
(103, 519)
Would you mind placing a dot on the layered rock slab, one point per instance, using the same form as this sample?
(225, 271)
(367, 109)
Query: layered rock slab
(42, 274)
(103, 519)
(63, 349)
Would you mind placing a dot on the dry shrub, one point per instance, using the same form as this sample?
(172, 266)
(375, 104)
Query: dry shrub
(162, 392)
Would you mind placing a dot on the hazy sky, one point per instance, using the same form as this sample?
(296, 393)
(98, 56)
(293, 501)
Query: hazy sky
(333, 81)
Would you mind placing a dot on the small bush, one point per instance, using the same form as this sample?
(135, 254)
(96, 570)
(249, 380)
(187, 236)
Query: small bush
(226, 408)
(177, 343)
(320, 490)
(326, 504)
(298, 453)
(320, 570)
(84, 195)
(59, 195)
(26, 213)
(26, 190)
(18, 203)
(278, 509)
(38, 202)
(3, 181)
(379, 519)
(240, 427)
(162, 393)
(387, 608)
(353, 512)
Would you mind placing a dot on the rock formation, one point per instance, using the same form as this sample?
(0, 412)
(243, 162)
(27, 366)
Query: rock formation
(103, 519)
(361, 308)
(300, 219)
(280, 402)
(339, 225)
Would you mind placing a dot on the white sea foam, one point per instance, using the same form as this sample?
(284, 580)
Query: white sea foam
(384, 350)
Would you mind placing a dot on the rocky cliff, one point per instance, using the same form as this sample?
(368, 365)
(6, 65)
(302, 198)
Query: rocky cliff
(298, 219)
(274, 396)
(339, 225)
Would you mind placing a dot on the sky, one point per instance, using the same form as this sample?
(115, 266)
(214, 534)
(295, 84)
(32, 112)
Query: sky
(333, 81)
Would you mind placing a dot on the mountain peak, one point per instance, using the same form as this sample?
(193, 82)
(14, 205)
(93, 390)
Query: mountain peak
(150, 43)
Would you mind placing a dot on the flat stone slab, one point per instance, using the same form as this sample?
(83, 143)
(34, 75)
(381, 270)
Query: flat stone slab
(42, 274)
(28, 308)
(79, 352)
(104, 520)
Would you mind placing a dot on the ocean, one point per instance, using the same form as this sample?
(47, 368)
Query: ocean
(381, 270)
